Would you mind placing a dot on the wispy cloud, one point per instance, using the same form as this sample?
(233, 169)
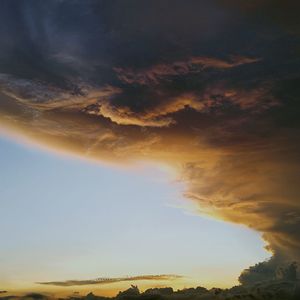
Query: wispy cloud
(107, 280)
(158, 72)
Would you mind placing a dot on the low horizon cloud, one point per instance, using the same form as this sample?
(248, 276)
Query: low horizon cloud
(106, 280)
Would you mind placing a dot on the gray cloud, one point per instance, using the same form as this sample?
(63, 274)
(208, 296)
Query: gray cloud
(111, 280)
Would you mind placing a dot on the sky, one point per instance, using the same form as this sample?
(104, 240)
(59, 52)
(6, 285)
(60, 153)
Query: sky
(64, 218)
(208, 89)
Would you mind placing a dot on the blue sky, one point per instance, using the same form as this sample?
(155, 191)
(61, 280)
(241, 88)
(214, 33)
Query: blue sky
(64, 218)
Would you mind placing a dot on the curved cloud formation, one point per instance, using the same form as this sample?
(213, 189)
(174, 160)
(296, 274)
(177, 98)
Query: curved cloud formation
(209, 87)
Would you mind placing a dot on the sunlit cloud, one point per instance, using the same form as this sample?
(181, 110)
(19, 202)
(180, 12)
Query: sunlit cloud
(157, 73)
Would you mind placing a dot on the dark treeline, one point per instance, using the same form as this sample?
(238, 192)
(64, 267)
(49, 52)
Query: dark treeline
(271, 290)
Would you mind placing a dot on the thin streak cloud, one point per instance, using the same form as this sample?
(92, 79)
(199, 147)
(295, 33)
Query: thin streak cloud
(106, 280)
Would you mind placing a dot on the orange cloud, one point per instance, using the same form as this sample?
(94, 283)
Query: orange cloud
(156, 73)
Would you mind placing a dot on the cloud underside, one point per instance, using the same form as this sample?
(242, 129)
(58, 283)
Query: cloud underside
(100, 281)
(213, 94)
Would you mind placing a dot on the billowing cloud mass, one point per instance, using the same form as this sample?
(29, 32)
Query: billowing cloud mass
(209, 87)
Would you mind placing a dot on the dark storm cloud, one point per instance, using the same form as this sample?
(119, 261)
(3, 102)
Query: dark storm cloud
(268, 271)
(209, 87)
